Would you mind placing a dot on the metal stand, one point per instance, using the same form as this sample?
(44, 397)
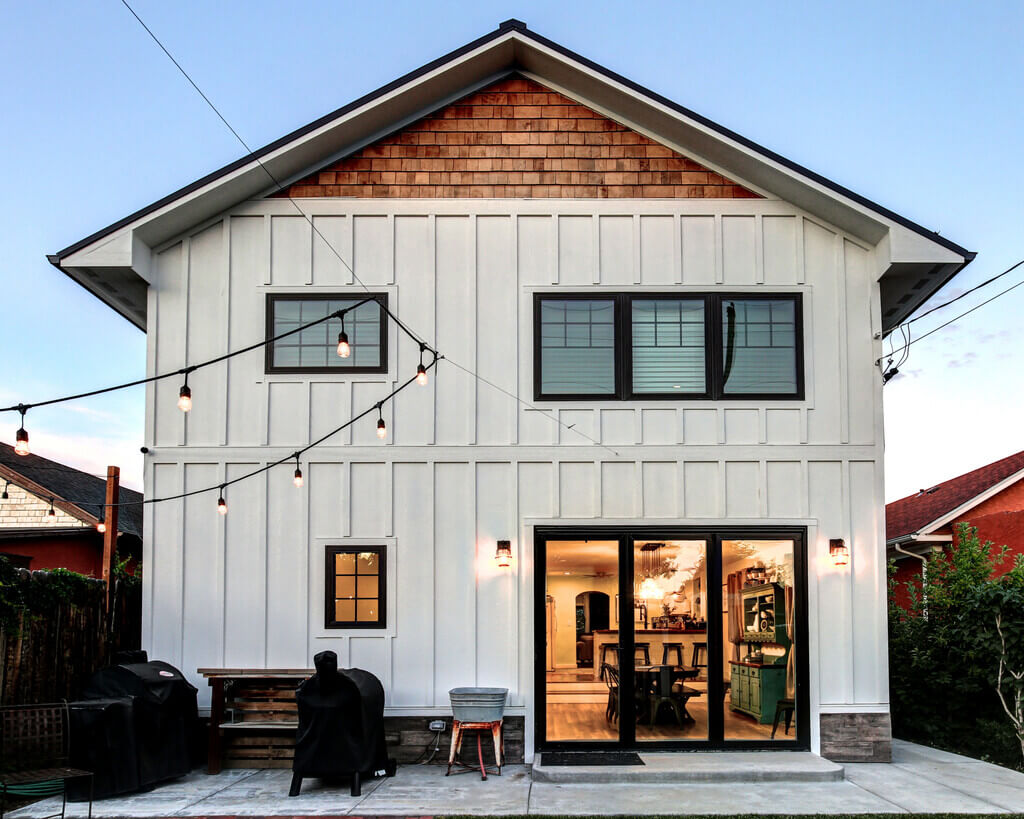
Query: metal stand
(459, 730)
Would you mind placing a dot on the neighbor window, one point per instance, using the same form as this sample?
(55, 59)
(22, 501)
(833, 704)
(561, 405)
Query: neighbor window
(623, 346)
(315, 349)
(356, 583)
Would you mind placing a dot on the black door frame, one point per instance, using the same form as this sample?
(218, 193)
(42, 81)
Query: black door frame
(713, 537)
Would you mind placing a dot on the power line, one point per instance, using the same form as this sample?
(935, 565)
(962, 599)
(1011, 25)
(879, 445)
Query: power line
(966, 292)
(280, 187)
(957, 318)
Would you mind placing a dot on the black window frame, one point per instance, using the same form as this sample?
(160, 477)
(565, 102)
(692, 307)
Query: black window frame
(714, 353)
(330, 587)
(273, 298)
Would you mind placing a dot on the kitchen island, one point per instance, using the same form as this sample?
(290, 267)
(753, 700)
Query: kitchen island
(656, 637)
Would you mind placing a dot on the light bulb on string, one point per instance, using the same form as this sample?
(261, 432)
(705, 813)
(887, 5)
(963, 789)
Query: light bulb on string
(185, 396)
(5, 495)
(421, 371)
(21, 436)
(222, 505)
(297, 480)
(382, 428)
(51, 513)
(344, 350)
(101, 524)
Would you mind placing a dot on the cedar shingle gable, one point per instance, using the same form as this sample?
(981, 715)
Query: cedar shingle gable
(517, 139)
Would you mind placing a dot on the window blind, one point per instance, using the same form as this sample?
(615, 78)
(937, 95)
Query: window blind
(317, 346)
(668, 346)
(577, 346)
(759, 346)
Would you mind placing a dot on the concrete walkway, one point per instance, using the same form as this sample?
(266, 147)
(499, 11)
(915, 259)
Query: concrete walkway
(920, 780)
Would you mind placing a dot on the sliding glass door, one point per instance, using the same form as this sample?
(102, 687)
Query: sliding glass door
(670, 638)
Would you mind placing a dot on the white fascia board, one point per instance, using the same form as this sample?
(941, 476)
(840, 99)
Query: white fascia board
(991, 492)
(733, 157)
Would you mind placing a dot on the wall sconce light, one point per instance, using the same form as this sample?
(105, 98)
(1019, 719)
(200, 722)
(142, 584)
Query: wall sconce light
(840, 551)
(504, 554)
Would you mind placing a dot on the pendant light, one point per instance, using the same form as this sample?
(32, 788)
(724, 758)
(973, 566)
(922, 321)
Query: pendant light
(382, 428)
(297, 480)
(421, 371)
(51, 513)
(222, 505)
(21, 436)
(344, 350)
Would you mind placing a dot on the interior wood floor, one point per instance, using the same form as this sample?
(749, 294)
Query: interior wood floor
(582, 717)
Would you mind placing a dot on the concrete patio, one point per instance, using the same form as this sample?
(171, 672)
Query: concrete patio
(920, 780)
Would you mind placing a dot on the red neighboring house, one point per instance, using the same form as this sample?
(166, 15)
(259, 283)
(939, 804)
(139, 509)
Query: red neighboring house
(33, 538)
(990, 498)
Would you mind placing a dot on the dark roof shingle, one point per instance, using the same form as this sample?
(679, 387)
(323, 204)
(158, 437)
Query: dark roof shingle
(910, 514)
(66, 483)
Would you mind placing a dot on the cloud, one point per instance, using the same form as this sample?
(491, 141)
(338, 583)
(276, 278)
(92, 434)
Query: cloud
(965, 360)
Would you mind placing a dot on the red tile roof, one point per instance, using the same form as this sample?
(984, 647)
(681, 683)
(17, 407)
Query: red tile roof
(908, 515)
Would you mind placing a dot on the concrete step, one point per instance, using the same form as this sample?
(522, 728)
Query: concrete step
(701, 767)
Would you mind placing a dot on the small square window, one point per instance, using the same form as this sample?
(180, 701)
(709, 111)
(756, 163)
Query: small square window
(356, 584)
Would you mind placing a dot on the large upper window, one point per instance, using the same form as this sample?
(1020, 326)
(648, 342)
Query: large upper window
(624, 346)
(315, 349)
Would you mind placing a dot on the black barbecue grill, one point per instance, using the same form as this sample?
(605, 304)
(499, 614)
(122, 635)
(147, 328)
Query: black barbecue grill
(341, 726)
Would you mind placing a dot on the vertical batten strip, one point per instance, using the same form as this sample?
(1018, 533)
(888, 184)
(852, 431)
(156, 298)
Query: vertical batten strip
(719, 249)
(268, 248)
(186, 264)
(758, 248)
(842, 346)
(226, 238)
(637, 251)
(677, 248)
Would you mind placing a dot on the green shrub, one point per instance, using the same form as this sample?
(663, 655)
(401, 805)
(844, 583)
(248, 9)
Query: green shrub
(945, 652)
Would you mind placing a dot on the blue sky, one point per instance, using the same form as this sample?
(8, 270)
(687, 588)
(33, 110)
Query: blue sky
(917, 106)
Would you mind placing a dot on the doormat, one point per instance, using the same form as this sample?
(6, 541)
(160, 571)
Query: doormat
(559, 758)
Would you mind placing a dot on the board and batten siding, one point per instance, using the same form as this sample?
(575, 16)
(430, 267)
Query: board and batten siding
(464, 464)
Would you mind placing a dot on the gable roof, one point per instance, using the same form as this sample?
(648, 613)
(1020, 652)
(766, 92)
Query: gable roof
(915, 513)
(76, 490)
(113, 263)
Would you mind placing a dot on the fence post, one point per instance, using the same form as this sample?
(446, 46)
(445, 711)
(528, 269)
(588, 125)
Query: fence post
(110, 518)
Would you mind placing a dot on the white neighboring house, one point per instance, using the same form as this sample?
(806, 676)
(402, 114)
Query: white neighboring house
(690, 321)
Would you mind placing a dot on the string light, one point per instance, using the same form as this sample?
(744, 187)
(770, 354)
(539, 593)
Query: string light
(421, 371)
(344, 350)
(382, 428)
(297, 480)
(6, 496)
(185, 396)
(51, 513)
(101, 524)
(21, 436)
(222, 505)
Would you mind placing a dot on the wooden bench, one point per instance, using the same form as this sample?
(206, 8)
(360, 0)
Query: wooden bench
(34, 754)
(253, 716)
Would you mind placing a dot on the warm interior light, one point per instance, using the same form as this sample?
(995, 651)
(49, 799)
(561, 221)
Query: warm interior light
(840, 551)
(382, 429)
(344, 350)
(297, 480)
(421, 375)
(504, 554)
(185, 398)
(21, 442)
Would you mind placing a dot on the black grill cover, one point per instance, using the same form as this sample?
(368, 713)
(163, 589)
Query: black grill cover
(341, 722)
(102, 740)
(160, 731)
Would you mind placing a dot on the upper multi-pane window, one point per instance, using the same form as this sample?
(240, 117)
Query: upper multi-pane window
(315, 349)
(661, 346)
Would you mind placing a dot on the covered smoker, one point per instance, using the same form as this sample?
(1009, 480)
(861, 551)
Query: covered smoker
(341, 726)
(134, 726)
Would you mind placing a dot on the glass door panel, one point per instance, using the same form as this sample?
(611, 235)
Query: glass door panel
(581, 631)
(670, 620)
(759, 639)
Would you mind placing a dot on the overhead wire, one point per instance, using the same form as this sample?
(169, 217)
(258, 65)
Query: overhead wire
(279, 187)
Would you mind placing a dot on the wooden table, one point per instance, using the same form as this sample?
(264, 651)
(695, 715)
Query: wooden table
(268, 713)
(645, 675)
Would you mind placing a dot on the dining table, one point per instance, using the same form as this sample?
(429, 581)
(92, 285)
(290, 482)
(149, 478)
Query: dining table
(647, 682)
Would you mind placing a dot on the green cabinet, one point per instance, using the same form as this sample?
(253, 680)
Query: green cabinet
(755, 690)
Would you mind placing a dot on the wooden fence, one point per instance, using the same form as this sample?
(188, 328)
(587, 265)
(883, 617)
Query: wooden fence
(51, 643)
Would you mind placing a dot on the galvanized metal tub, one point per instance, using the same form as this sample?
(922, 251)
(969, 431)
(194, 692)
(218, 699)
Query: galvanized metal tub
(478, 704)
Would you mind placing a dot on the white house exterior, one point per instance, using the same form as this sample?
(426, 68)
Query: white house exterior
(465, 464)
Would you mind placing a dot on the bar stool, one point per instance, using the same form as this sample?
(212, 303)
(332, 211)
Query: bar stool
(671, 648)
(602, 659)
(699, 650)
(645, 648)
(784, 707)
